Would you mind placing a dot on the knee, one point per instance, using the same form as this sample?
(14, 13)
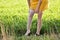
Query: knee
(31, 13)
(40, 13)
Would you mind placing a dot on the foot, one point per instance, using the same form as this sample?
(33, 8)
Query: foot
(37, 34)
(27, 33)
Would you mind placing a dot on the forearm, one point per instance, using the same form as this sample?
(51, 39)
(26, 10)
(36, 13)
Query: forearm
(39, 3)
(28, 3)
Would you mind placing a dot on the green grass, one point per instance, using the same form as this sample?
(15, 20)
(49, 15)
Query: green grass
(33, 37)
(14, 13)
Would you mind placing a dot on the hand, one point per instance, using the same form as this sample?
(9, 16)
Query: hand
(36, 10)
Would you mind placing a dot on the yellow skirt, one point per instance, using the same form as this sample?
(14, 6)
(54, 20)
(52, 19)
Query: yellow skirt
(43, 6)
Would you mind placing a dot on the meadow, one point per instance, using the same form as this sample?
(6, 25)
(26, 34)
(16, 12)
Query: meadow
(14, 13)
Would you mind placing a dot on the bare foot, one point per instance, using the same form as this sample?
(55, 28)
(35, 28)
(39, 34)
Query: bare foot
(37, 34)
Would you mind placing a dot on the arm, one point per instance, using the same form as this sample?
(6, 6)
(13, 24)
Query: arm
(39, 3)
(28, 3)
(38, 6)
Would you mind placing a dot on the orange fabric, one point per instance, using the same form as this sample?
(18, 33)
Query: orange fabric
(43, 6)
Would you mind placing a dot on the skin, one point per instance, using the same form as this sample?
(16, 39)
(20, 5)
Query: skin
(28, 3)
(39, 21)
(38, 6)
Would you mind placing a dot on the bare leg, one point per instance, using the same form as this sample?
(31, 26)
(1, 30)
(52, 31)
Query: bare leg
(39, 23)
(31, 13)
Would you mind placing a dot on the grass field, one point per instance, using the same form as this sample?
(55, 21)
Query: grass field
(14, 13)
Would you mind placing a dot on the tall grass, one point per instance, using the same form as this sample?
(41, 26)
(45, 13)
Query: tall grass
(13, 14)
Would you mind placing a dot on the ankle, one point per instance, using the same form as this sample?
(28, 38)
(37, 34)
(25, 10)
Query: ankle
(37, 33)
(28, 31)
